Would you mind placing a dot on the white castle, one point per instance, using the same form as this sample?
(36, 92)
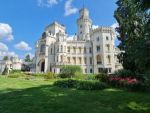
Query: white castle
(92, 49)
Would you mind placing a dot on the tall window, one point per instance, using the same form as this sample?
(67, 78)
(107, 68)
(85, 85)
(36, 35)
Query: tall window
(107, 38)
(108, 47)
(109, 59)
(80, 62)
(68, 58)
(74, 60)
(80, 26)
(91, 70)
(85, 60)
(61, 58)
(84, 49)
(98, 48)
(99, 59)
(90, 50)
(64, 48)
(57, 58)
(61, 48)
(79, 49)
(42, 49)
(97, 39)
(91, 60)
(74, 49)
(85, 70)
(68, 48)
(51, 50)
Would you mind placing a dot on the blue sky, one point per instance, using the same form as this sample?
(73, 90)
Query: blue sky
(23, 21)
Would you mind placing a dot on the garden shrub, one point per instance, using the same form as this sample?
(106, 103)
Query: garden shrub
(16, 71)
(39, 74)
(102, 77)
(91, 85)
(16, 75)
(79, 76)
(80, 84)
(50, 75)
(90, 77)
(69, 71)
(66, 83)
(129, 83)
(135, 87)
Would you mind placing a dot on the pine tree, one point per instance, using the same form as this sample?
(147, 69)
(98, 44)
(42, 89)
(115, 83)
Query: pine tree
(28, 58)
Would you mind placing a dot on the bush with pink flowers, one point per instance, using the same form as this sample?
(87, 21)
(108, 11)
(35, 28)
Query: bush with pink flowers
(129, 83)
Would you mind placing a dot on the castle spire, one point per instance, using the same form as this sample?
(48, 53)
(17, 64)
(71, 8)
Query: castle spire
(83, 3)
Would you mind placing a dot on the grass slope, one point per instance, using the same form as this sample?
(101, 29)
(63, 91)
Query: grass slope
(28, 96)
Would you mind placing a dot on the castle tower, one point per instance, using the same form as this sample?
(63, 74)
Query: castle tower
(84, 25)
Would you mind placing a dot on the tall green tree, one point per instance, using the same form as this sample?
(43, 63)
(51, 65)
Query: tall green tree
(133, 17)
(27, 58)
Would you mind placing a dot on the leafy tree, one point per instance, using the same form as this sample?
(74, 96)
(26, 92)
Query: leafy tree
(133, 17)
(69, 71)
(27, 58)
(5, 58)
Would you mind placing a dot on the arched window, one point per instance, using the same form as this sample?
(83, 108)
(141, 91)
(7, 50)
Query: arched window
(99, 59)
(42, 49)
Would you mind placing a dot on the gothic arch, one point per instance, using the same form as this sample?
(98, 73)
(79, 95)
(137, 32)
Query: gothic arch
(41, 65)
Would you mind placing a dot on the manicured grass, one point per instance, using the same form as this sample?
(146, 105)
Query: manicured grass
(31, 96)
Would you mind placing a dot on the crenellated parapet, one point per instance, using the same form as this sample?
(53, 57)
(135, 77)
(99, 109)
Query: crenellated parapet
(103, 29)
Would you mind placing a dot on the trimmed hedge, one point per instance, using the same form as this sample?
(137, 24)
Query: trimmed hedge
(91, 85)
(66, 83)
(81, 85)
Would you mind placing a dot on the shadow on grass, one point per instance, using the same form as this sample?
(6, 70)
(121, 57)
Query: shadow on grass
(50, 99)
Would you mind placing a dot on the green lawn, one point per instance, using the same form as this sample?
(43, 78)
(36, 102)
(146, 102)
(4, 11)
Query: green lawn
(29, 96)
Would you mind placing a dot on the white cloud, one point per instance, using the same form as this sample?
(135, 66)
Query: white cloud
(47, 3)
(115, 25)
(4, 51)
(6, 32)
(7, 53)
(23, 46)
(71, 37)
(95, 26)
(3, 47)
(69, 9)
